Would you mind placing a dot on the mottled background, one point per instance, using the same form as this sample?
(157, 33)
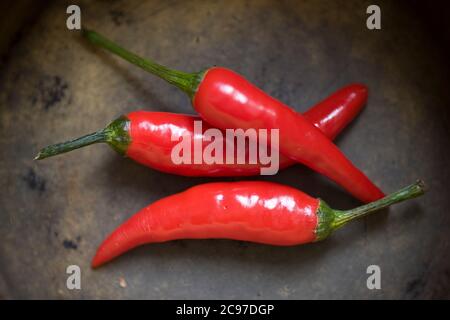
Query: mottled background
(53, 86)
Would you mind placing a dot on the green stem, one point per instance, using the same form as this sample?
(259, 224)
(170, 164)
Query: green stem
(116, 134)
(55, 149)
(188, 82)
(409, 192)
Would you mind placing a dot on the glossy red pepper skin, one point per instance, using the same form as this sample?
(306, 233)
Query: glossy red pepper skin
(151, 145)
(146, 136)
(240, 211)
(335, 112)
(151, 133)
(255, 211)
(227, 100)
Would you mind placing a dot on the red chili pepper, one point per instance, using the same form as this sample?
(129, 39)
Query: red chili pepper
(253, 211)
(146, 136)
(227, 100)
(334, 113)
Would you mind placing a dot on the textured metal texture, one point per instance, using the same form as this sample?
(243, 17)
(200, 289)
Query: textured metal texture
(54, 86)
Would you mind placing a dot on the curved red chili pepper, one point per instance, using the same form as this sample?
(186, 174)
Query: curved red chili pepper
(146, 136)
(225, 99)
(255, 211)
(334, 113)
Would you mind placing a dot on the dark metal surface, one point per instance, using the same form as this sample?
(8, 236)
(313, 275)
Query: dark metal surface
(56, 212)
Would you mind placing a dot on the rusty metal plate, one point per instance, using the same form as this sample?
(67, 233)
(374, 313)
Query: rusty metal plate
(55, 213)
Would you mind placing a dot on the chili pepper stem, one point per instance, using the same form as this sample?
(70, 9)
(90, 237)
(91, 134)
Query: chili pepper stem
(188, 82)
(55, 149)
(409, 192)
(115, 134)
